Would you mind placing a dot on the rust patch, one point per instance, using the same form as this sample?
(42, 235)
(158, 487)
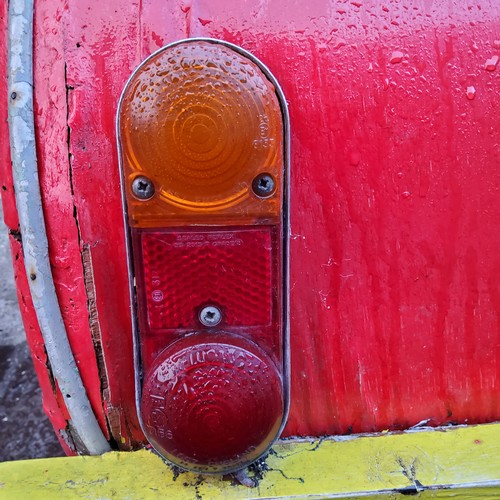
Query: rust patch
(50, 374)
(113, 415)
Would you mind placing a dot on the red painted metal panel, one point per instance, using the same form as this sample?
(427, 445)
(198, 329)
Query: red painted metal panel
(394, 205)
(67, 248)
(395, 294)
(82, 205)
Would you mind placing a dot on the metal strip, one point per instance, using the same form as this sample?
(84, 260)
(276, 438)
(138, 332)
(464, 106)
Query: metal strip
(286, 222)
(32, 226)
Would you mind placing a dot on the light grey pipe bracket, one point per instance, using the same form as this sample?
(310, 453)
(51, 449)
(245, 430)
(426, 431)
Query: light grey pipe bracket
(32, 225)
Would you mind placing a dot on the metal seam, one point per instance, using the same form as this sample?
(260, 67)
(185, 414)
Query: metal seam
(32, 225)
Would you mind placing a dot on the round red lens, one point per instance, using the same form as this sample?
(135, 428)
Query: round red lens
(212, 402)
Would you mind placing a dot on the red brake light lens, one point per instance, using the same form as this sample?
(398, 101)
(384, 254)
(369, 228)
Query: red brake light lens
(212, 401)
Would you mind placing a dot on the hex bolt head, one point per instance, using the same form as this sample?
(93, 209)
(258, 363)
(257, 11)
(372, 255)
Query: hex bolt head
(210, 316)
(143, 188)
(263, 185)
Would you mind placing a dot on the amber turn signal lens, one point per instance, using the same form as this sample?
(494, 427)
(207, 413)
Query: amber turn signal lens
(201, 122)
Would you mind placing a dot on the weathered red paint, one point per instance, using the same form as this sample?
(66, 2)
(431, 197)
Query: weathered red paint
(395, 294)
(61, 213)
(7, 192)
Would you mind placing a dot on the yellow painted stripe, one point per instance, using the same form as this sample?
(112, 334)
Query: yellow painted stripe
(467, 458)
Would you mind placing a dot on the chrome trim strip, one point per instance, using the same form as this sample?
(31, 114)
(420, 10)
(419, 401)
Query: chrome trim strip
(32, 226)
(286, 222)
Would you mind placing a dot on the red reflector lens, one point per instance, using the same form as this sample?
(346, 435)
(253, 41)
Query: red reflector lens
(186, 270)
(212, 402)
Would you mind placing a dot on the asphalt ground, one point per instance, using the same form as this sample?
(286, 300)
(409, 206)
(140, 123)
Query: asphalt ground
(25, 431)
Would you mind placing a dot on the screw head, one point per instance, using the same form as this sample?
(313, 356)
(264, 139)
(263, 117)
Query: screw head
(263, 185)
(210, 316)
(143, 188)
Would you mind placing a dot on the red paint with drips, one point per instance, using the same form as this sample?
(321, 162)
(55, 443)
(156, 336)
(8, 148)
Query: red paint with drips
(395, 267)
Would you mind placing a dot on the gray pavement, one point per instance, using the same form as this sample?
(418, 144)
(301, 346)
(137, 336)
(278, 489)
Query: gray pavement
(11, 327)
(25, 431)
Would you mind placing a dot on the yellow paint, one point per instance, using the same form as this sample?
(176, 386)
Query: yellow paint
(467, 458)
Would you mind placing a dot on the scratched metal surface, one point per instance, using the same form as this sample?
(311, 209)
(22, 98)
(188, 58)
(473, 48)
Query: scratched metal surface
(395, 295)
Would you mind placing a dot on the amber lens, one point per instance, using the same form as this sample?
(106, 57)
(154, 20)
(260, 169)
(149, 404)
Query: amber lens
(201, 121)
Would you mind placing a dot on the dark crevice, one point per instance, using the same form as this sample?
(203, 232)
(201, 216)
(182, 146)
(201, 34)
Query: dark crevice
(415, 489)
(67, 435)
(16, 234)
(74, 441)
(409, 490)
(50, 373)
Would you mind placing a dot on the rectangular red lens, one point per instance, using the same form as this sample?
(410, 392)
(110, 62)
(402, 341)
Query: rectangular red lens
(187, 270)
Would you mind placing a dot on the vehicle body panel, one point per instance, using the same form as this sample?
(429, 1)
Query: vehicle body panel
(395, 213)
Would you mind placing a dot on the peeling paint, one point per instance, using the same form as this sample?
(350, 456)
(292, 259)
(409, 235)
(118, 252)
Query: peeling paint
(88, 277)
(16, 234)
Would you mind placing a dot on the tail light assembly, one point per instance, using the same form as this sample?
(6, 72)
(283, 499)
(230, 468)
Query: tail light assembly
(202, 129)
